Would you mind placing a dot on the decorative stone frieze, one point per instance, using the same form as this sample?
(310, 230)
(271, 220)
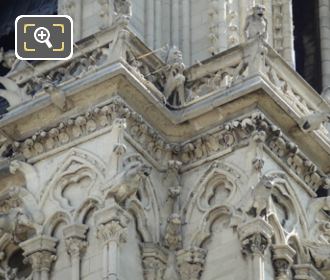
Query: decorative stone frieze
(230, 135)
(40, 252)
(191, 263)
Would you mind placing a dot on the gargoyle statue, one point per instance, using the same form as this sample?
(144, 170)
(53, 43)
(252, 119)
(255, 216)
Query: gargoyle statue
(174, 86)
(17, 223)
(261, 194)
(256, 24)
(57, 95)
(123, 10)
(126, 183)
(314, 121)
(8, 60)
(173, 237)
(12, 92)
(19, 215)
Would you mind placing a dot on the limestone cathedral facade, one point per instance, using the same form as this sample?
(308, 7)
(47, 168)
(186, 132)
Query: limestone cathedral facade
(178, 143)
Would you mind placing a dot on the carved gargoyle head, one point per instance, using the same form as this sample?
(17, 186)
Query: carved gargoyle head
(259, 10)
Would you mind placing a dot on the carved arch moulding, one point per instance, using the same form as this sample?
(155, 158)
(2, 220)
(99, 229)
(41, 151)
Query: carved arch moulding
(82, 172)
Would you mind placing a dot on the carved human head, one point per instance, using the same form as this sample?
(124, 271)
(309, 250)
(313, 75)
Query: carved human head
(259, 10)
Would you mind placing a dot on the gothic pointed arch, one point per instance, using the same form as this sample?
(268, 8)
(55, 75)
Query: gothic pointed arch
(302, 255)
(285, 205)
(58, 218)
(279, 235)
(86, 207)
(205, 229)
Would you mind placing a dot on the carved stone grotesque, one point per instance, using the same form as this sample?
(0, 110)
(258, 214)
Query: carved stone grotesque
(191, 263)
(56, 95)
(123, 8)
(17, 217)
(173, 232)
(314, 121)
(256, 24)
(261, 195)
(11, 92)
(126, 183)
(174, 85)
(8, 59)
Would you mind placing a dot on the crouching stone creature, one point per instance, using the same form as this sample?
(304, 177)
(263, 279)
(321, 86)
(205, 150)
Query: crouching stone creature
(256, 24)
(126, 183)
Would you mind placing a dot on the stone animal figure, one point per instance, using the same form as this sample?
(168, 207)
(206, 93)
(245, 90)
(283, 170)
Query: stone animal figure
(314, 121)
(173, 237)
(261, 194)
(256, 24)
(126, 183)
(174, 85)
(12, 93)
(17, 223)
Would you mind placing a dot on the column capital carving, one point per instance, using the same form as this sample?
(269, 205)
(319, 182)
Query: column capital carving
(307, 271)
(154, 260)
(282, 260)
(75, 231)
(255, 236)
(40, 260)
(39, 243)
(112, 231)
(191, 263)
(40, 252)
(75, 236)
(112, 212)
(112, 223)
(75, 246)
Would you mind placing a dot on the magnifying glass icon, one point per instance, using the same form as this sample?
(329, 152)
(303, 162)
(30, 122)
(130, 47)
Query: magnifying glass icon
(41, 35)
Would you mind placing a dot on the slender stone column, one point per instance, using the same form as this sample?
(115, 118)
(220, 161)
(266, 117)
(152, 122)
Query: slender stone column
(288, 38)
(111, 225)
(75, 236)
(186, 30)
(40, 252)
(324, 13)
(255, 237)
(191, 263)
(150, 25)
(282, 261)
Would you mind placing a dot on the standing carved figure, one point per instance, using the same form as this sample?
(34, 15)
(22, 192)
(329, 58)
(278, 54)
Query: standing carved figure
(174, 85)
(122, 10)
(256, 24)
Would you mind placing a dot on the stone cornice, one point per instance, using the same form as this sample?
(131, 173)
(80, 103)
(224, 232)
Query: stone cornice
(208, 146)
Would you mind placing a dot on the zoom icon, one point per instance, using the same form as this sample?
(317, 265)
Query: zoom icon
(43, 37)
